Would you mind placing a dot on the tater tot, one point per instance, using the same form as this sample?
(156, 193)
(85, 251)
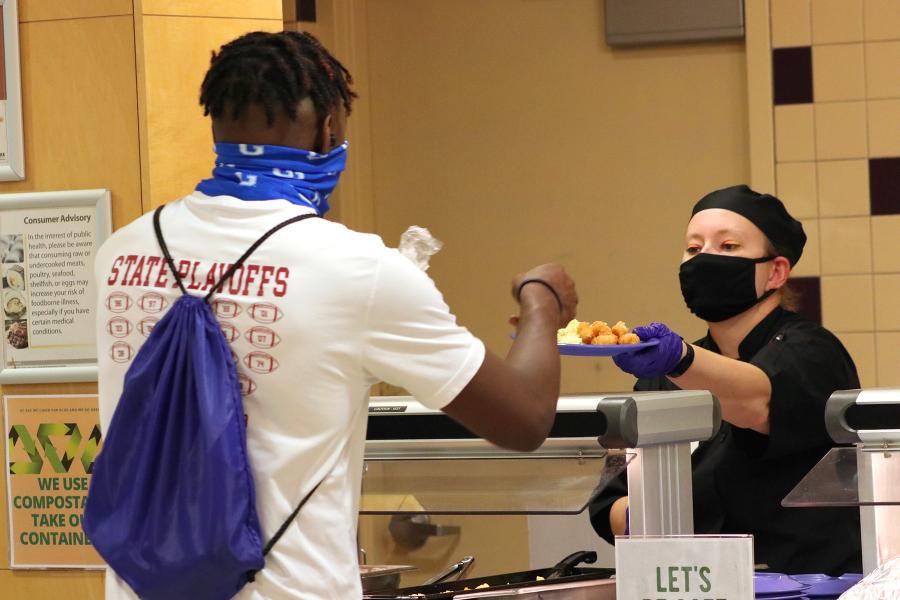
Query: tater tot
(600, 328)
(585, 332)
(605, 340)
(629, 338)
(620, 329)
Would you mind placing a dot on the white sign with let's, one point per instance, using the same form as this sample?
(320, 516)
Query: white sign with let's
(684, 568)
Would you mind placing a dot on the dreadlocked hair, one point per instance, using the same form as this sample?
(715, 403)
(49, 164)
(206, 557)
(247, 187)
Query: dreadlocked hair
(274, 70)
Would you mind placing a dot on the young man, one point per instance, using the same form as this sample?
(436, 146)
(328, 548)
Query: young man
(772, 371)
(317, 314)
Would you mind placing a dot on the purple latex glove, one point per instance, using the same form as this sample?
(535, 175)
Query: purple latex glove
(656, 360)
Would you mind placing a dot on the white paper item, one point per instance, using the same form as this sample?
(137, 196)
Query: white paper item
(418, 245)
(881, 584)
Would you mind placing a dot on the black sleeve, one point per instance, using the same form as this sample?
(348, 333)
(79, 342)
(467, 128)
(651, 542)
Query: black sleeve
(805, 366)
(600, 506)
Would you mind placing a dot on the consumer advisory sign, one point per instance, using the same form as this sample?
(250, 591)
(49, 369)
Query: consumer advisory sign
(684, 568)
(47, 300)
(51, 445)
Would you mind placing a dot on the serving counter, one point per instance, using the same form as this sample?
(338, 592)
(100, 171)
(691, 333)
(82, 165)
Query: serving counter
(427, 478)
(421, 467)
(867, 474)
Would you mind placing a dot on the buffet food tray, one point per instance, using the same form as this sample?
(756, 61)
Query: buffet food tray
(536, 583)
(588, 587)
(604, 589)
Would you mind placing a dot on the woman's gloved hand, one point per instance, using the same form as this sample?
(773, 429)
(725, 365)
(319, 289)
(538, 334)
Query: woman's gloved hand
(656, 360)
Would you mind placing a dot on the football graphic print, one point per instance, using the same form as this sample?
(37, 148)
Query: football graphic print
(260, 362)
(262, 337)
(118, 327)
(248, 386)
(226, 309)
(146, 325)
(152, 303)
(118, 302)
(231, 332)
(265, 312)
(121, 352)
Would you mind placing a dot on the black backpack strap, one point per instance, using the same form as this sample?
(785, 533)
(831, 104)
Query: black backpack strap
(251, 576)
(240, 262)
(289, 520)
(234, 267)
(165, 249)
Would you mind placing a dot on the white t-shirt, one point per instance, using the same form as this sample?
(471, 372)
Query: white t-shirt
(318, 314)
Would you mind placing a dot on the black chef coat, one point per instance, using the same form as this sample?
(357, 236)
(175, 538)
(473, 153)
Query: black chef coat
(740, 476)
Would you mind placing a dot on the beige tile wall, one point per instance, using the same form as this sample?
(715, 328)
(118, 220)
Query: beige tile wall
(886, 244)
(821, 155)
(839, 73)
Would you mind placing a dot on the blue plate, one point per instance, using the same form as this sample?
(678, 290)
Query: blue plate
(777, 584)
(603, 349)
(824, 586)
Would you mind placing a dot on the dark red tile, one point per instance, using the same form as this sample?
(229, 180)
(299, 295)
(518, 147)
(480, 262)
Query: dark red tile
(884, 185)
(792, 80)
(808, 292)
(306, 10)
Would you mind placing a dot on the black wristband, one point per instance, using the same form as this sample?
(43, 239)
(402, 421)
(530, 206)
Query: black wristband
(684, 364)
(543, 283)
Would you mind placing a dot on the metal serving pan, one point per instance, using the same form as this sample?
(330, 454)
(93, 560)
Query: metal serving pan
(597, 589)
(565, 572)
(382, 578)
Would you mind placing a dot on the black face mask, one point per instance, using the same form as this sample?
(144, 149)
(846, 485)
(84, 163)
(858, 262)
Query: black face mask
(717, 287)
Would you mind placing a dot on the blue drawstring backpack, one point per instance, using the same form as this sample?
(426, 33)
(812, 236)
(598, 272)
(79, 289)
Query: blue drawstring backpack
(171, 506)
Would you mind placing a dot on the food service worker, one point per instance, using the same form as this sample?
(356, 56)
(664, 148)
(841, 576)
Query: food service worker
(772, 371)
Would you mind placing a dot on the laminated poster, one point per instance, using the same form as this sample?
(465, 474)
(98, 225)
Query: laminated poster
(48, 297)
(51, 445)
(47, 292)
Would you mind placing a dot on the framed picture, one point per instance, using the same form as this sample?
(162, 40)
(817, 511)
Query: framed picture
(48, 241)
(12, 157)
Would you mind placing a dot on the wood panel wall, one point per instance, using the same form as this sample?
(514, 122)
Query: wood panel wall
(80, 121)
(174, 40)
(110, 100)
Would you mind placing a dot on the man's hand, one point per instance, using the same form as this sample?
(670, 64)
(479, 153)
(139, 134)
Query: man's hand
(548, 281)
(512, 402)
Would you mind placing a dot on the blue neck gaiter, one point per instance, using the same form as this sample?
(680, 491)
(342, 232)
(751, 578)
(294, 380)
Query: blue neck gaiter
(252, 172)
